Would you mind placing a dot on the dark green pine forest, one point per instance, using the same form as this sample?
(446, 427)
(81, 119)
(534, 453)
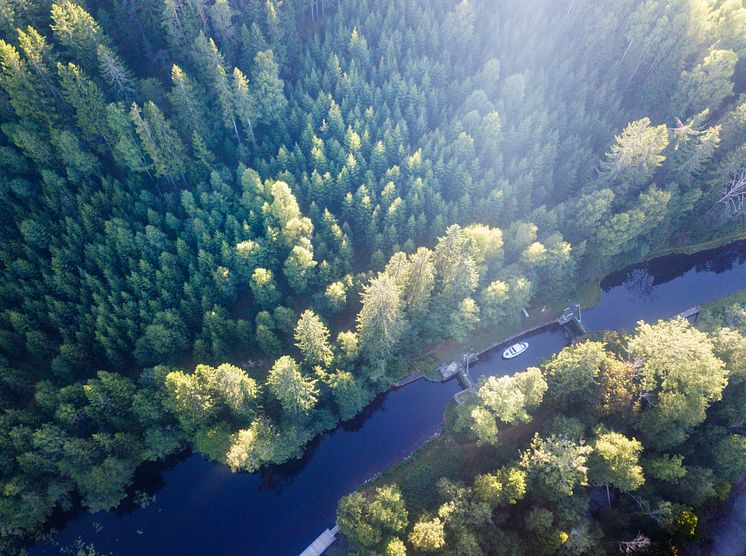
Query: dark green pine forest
(229, 224)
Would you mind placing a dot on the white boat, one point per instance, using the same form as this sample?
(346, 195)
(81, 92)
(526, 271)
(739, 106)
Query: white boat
(515, 350)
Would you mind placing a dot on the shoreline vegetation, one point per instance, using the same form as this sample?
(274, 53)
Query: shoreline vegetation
(482, 339)
(318, 190)
(442, 447)
(462, 458)
(485, 339)
(587, 295)
(712, 308)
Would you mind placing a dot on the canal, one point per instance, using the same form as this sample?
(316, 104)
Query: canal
(199, 507)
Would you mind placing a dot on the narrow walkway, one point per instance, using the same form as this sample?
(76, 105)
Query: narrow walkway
(408, 379)
(694, 311)
(322, 542)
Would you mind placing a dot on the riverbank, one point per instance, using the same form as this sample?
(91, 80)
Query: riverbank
(587, 295)
(444, 455)
(456, 459)
(281, 509)
(724, 528)
(729, 536)
(692, 248)
(719, 305)
(485, 338)
(485, 341)
(447, 456)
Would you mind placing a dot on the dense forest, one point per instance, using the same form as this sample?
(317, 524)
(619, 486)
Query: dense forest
(637, 433)
(229, 224)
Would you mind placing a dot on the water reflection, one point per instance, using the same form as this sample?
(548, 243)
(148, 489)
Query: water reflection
(357, 422)
(202, 508)
(541, 345)
(669, 267)
(640, 283)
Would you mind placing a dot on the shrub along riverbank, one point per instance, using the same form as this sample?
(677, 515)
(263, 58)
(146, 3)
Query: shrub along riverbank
(325, 189)
(648, 429)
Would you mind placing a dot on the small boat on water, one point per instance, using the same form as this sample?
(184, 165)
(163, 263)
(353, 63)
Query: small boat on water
(515, 350)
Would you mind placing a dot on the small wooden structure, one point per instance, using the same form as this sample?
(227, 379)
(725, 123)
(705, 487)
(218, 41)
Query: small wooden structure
(571, 323)
(462, 396)
(447, 372)
(692, 312)
(322, 542)
(409, 379)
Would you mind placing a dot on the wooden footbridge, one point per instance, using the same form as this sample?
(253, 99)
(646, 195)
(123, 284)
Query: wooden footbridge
(691, 313)
(322, 542)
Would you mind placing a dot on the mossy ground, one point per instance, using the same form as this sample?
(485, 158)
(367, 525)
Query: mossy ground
(453, 457)
(692, 248)
(719, 305)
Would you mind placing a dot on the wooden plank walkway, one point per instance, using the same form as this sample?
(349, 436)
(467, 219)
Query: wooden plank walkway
(408, 379)
(322, 542)
(690, 312)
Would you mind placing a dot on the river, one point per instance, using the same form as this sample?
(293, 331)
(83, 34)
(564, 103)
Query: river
(201, 507)
(728, 526)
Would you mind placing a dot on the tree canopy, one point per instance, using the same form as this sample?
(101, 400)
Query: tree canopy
(230, 224)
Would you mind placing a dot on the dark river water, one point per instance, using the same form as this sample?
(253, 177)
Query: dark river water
(729, 526)
(202, 508)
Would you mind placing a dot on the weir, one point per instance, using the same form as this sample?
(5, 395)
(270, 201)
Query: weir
(571, 323)
(461, 371)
